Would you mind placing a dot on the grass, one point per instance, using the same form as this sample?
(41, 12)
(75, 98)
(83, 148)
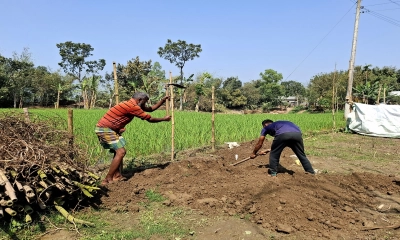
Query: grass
(352, 147)
(192, 129)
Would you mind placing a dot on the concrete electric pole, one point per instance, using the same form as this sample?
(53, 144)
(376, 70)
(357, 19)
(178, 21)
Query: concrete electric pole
(349, 98)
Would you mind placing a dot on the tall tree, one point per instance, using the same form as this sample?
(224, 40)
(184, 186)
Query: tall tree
(74, 61)
(270, 88)
(179, 53)
(293, 88)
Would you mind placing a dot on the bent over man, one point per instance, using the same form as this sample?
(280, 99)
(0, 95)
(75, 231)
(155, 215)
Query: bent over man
(286, 134)
(110, 127)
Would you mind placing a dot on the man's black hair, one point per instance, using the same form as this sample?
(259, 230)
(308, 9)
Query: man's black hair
(266, 121)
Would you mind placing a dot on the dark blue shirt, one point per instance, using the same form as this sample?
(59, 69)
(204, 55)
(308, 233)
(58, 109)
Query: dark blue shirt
(279, 127)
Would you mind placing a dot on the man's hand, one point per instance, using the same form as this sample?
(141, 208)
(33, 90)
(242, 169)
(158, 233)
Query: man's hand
(264, 152)
(167, 118)
(164, 99)
(252, 156)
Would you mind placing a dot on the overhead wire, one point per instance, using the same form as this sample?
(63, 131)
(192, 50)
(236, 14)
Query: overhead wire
(394, 2)
(321, 41)
(382, 17)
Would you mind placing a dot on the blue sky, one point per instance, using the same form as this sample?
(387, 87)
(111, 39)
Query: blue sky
(238, 38)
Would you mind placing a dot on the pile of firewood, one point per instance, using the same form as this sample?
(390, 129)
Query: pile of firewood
(39, 168)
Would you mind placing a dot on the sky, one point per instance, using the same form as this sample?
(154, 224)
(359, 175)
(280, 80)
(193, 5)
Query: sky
(299, 39)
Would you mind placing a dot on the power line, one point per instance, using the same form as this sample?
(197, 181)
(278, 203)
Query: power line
(386, 9)
(320, 41)
(382, 17)
(394, 2)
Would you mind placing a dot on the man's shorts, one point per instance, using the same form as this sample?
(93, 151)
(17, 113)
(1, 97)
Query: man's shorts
(109, 139)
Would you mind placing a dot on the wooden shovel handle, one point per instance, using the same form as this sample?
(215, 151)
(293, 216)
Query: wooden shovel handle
(244, 160)
(248, 158)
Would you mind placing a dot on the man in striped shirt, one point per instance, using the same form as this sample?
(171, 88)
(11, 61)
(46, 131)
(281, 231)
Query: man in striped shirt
(110, 127)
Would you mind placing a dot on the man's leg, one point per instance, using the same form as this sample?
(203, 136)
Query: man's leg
(277, 146)
(113, 172)
(298, 148)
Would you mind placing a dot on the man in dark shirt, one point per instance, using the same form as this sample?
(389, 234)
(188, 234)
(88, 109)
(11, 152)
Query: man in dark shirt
(286, 134)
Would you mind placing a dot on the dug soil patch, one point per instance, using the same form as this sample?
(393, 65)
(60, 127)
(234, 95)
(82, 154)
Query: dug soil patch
(338, 204)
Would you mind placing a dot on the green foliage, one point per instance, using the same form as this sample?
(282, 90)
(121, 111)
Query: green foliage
(179, 53)
(74, 62)
(270, 89)
(293, 88)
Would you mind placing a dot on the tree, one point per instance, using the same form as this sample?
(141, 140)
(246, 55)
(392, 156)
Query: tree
(18, 72)
(271, 90)
(232, 83)
(293, 88)
(179, 53)
(252, 93)
(74, 61)
(199, 88)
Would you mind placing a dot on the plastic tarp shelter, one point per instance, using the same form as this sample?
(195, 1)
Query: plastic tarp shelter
(375, 120)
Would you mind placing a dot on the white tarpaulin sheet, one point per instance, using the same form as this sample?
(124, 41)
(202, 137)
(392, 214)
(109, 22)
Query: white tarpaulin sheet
(376, 120)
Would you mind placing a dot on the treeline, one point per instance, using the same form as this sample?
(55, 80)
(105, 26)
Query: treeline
(79, 83)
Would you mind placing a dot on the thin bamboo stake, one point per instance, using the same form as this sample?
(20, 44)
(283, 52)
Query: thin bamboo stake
(172, 120)
(115, 84)
(70, 218)
(26, 112)
(384, 95)
(70, 122)
(1, 212)
(212, 119)
(379, 94)
(167, 94)
(333, 101)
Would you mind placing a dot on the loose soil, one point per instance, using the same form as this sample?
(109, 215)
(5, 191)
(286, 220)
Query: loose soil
(344, 200)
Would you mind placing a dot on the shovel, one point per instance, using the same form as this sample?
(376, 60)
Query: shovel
(248, 158)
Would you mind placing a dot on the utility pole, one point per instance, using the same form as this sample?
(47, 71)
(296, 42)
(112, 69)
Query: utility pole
(349, 98)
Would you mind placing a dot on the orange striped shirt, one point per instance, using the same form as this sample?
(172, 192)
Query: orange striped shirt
(121, 114)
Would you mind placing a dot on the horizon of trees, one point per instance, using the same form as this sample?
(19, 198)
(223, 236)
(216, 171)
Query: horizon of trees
(79, 83)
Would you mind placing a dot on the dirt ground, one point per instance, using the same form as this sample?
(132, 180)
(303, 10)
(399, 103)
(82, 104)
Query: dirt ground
(355, 199)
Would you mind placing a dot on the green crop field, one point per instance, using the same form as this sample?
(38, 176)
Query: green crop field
(191, 129)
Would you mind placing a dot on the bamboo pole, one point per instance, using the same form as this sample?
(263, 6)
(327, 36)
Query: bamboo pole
(71, 126)
(9, 189)
(115, 83)
(10, 211)
(172, 119)
(27, 118)
(384, 95)
(71, 219)
(167, 94)
(212, 119)
(28, 219)
(379, 93)
(333, 101)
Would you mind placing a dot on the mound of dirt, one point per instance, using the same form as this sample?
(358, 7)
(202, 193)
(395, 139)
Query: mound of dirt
(294, 205)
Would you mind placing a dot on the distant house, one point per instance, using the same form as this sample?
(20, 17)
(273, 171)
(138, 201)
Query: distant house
(292, 100)
(394, 93)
